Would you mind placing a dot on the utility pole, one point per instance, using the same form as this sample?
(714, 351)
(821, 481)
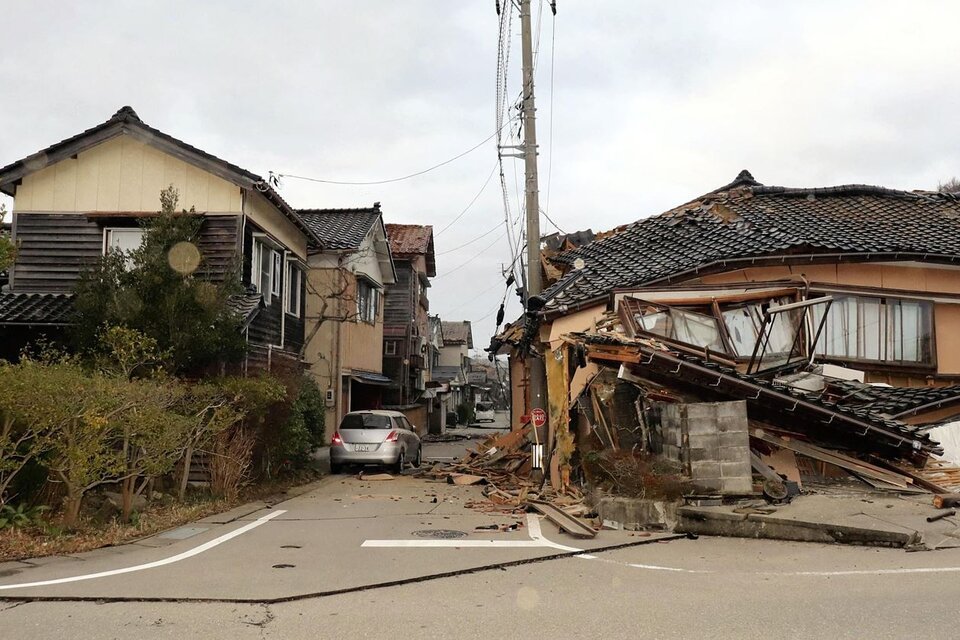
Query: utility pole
(536, 372)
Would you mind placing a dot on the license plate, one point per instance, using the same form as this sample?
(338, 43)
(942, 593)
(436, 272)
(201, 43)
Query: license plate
(361, 447)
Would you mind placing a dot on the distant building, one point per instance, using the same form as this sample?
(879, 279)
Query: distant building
(406, 329)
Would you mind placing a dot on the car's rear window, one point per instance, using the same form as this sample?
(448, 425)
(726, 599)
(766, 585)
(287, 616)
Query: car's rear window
(365, 421)
(483, 407)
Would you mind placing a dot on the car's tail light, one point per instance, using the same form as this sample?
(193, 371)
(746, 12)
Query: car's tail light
(337, 440)
(393, 437)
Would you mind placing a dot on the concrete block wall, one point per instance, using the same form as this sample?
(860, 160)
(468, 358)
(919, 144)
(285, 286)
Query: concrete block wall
(711, 440)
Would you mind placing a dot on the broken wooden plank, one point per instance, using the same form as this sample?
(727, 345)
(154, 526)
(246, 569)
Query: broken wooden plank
(568, 523)
(946, 500)
(833, 457)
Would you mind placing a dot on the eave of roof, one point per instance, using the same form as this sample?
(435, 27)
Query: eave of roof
(126, 120)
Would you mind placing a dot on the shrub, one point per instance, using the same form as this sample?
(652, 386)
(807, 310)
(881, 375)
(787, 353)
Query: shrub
(154, 289)
(302, 433)
(635, 475)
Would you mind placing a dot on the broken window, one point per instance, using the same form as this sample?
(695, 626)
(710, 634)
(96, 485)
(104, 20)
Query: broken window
(877, 329)
(683, 325)
(743, 326)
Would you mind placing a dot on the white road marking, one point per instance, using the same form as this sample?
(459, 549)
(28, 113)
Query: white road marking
(537, 540)
(533, 528)
(206, 546)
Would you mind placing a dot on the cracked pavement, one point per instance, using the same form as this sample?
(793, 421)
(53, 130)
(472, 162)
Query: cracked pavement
(304, 574)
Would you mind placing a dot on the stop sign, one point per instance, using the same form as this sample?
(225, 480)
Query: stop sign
(538, 417)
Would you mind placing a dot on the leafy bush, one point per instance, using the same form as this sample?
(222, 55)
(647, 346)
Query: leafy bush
(154, 290)
(20, 516)
(302, 433)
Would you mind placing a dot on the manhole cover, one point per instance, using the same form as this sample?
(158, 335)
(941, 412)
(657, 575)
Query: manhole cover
(284, 566)
(440, 533)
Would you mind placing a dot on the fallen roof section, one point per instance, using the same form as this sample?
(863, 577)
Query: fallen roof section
(842, 425)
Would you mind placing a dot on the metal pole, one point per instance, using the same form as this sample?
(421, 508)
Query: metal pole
(537, 376)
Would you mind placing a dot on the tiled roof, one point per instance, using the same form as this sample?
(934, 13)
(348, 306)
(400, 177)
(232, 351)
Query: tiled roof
(128, 117)
(246, 305)
(36, 308)
(895, 401)
(457, 332)
(407, 240)
(745, 220)
(341, 228)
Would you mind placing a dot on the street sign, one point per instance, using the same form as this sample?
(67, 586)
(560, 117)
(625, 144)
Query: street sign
(538, 417)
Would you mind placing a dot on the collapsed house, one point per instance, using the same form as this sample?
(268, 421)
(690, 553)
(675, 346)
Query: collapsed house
(759, 338)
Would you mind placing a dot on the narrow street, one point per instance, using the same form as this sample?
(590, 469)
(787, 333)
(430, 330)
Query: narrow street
(379, 559)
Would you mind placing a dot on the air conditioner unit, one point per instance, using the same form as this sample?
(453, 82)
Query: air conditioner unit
(330, 398)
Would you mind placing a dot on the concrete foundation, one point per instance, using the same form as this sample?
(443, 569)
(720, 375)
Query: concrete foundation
(638, 513)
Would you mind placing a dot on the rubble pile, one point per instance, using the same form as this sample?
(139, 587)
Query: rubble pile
(502, 464)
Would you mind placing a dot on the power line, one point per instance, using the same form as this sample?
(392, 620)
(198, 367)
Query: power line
(544, 214)
(477, 255)
(475, 198)
(406, 177)
(465, 244)
(553, 47)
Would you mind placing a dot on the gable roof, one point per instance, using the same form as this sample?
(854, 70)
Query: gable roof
(745, 220)
(341, 229)
(408, 240)
(126, 121)
(457, 332)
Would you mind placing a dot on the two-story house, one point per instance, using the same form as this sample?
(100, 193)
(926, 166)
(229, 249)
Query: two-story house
(454, 360)
(86, 195)
(344, 307)
(406, 320)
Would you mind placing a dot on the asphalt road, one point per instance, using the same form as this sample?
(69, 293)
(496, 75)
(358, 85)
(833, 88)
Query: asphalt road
(345, 561)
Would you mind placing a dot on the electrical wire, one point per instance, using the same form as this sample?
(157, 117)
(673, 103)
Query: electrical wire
(466, 244)
(553, 47)
(400, 178)
(477, 255)
(544, 214)
(475, 198)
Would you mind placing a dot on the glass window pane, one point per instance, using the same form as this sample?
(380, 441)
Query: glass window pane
(657, 322)
(742, 325)
(696, 329)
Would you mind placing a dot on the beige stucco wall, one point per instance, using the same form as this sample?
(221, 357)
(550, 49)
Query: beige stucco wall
(271, 220)
(452, 355)
(338, 347)
(123, 174)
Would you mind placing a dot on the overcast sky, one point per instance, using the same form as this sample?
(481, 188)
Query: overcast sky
(653, 103)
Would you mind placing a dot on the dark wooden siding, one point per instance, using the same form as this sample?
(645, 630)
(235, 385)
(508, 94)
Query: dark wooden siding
(53, 250)
(219, 245)
(265, 329)
(400, 301)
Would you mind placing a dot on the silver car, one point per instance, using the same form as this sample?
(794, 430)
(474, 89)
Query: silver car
(375, 437)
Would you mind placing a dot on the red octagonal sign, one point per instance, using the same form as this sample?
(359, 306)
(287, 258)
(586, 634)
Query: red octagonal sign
(538, 417)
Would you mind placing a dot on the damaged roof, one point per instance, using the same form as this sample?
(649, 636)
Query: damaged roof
(745, 220)
(341, 229)
(408, 240)
(898, 401)
(833, 421)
